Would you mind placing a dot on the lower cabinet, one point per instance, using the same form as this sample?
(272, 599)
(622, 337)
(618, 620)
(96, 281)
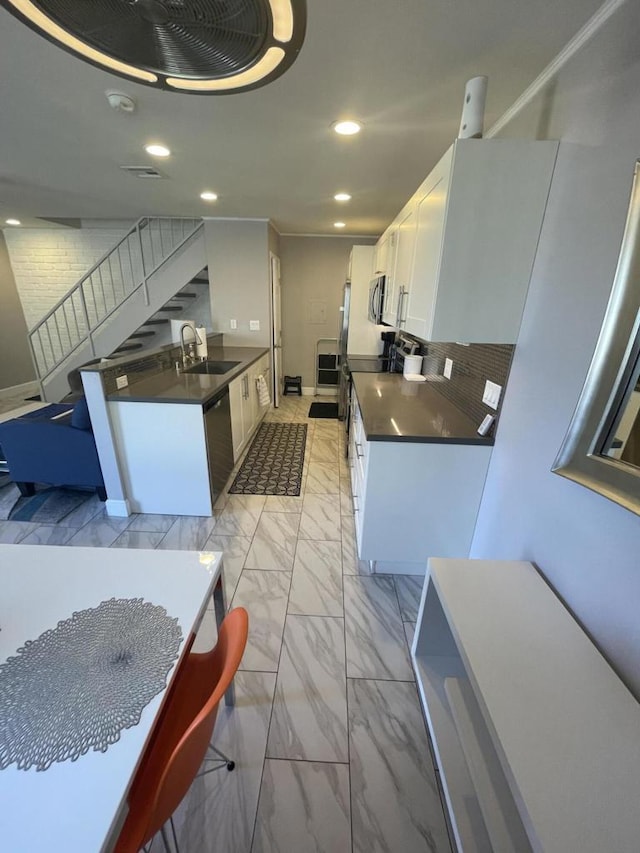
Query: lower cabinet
(246, 411)
(413, 500)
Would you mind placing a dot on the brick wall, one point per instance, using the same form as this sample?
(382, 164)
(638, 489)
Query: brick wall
(46, 262)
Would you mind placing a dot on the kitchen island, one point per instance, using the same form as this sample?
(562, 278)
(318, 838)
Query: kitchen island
(167, 439)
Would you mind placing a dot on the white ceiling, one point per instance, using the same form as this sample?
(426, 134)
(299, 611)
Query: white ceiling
(400, 67)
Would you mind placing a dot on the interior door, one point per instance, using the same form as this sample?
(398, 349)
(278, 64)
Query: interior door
(276, 338)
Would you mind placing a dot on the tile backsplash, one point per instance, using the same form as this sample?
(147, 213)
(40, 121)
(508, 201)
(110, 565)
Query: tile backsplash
(473, 364)
(155, 361)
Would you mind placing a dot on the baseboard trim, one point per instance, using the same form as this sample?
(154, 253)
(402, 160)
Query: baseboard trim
(118, 509)
(382, 567)
(25, 389)
(310, 391)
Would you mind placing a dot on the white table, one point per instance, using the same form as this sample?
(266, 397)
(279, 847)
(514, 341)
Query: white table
(536, 737)
(77, 806)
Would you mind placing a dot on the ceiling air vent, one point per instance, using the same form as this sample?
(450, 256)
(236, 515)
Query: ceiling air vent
(142, 171)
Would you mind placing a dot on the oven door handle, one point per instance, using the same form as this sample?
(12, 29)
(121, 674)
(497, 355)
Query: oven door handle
(373, 312)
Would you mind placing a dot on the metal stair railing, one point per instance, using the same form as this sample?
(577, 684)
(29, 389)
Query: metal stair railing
(122, 271)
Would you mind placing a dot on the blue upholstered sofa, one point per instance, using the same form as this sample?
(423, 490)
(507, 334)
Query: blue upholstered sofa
(60, 452)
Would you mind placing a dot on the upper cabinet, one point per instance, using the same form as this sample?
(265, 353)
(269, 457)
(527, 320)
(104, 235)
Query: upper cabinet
(390, 304)
(466, 242)
(380, 254)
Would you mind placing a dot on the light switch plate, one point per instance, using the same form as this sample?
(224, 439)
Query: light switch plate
(492, 393)
(233, 324)
(448, 368)
(122, 381)
(254, 325)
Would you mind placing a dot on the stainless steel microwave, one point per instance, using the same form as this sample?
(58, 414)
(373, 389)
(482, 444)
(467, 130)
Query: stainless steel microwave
(376, 299)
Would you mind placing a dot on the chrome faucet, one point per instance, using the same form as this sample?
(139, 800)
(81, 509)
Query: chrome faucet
(191, 355)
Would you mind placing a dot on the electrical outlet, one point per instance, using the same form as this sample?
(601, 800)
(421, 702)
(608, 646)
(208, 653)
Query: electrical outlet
(448, 368)
(254, 325)
(491, 394)
(233, 324)
(122, 381)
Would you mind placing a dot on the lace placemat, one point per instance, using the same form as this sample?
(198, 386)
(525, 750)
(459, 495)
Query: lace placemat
(78, 685)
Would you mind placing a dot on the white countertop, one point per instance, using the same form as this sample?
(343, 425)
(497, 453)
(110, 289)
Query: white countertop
(71, 806)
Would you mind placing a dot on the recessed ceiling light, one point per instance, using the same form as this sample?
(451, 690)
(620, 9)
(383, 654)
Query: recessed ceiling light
(342, 197)
(208, 196)
(157, 150)
(12, 221)
(347, 128)
(339, 224)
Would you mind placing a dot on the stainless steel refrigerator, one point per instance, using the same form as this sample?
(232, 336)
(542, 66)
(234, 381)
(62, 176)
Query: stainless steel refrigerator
(343, 335)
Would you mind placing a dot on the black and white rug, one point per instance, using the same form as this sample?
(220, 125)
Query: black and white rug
(273, 465)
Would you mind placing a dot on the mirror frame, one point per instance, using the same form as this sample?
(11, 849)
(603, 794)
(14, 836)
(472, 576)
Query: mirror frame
(580, 458)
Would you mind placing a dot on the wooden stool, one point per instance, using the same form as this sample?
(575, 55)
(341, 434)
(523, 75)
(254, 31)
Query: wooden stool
(293, 385)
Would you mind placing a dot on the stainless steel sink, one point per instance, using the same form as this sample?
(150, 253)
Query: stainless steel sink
(213, 368)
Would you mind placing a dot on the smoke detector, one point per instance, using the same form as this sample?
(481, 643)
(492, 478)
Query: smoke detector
(120, 102)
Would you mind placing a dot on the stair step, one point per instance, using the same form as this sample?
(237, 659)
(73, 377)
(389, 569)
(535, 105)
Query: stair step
(128, 347)
(199, 281)
(148, 334)
(185, 296)
(157, 321)
(171, 308)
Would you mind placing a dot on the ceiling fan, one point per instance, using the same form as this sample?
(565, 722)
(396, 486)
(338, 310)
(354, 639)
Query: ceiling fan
(194, 46)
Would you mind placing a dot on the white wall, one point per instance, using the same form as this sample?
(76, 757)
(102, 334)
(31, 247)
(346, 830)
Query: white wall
(586, 546)
(47, 262)
(238, 258)
(16, 366)
(313, 272)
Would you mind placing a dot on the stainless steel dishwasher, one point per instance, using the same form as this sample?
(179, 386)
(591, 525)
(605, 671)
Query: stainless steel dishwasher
(217, 428)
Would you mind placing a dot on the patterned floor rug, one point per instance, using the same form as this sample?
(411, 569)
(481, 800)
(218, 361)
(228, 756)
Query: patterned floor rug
(273, 465)
(48, 506)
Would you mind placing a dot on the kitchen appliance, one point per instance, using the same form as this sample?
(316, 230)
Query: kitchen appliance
(412, 365)
(217, 426)
(403, 347)
(376, 298)
(388, 339)
(358, 340)
(343, 337)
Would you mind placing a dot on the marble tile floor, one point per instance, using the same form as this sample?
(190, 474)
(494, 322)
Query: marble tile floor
(327, 733)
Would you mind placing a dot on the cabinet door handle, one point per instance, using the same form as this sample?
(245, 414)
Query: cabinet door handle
(359, 455)
(401, 295)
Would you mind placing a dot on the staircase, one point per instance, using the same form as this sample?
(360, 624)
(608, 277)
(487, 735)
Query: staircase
(155, 331)
(118, 305)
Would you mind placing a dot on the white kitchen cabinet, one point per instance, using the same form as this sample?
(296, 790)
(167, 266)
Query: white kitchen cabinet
(475, 222)
(246, 412)
(363, 336)
(390, 304)
(413, 500)
(237, 402)
(405, 249)
(417, 314)
(380, 254)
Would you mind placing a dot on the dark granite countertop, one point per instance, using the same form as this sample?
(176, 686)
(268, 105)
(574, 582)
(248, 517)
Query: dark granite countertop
(394, 409)
(169, 386)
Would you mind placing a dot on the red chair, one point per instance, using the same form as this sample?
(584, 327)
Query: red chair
(182, 737)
